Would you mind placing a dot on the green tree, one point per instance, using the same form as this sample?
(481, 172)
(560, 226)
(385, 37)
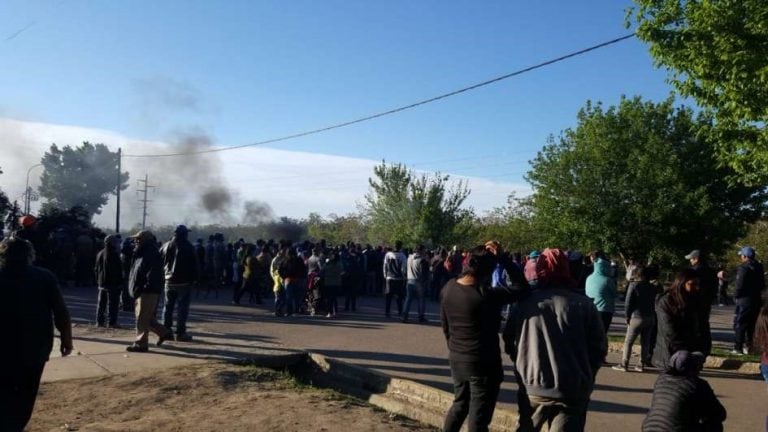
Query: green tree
(83, 176)
(717, 53)
(337, 229)
(512, 225)
(5, 205)
(639, 179)
(401, 205)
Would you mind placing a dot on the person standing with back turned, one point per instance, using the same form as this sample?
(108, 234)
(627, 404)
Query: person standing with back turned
(32, 304)
(469, 311)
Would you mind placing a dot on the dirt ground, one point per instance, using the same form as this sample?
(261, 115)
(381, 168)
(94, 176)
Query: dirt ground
(210, 397)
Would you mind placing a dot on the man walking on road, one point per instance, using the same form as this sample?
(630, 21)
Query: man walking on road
(749, 286)
(182, 271)
(418, 281)
(145, 285)
(394, 278)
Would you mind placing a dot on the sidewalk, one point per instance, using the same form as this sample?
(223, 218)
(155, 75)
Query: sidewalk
(365, 338)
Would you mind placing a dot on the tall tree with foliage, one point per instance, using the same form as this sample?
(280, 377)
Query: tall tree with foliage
(337, 229)
(5, 205)
(83, 176)
(511, 225)
(401, 205)
(717, 53)
(640, 179)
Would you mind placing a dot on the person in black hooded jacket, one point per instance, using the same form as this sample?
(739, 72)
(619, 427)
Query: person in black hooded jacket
(679, 320)
(109, 278)
(145, 285)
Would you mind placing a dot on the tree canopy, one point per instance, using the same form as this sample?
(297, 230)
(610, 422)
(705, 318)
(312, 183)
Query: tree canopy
(427, 209)
(640, 179)
(717, 53)
(5, 205)
(83, 176)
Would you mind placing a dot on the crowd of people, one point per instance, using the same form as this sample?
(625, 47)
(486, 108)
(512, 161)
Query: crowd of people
(553, 307)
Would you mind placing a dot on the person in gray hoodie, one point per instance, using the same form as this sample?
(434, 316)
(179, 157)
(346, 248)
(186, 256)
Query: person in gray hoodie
(418, 281)
(556, 340)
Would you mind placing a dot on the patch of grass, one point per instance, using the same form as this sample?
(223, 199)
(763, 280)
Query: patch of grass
(716, 351)
(726, 353)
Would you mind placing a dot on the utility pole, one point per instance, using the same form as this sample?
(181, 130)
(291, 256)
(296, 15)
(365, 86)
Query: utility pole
(117, 209)
(144, 201)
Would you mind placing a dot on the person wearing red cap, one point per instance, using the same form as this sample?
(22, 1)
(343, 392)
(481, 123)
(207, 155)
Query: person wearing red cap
(556, 340)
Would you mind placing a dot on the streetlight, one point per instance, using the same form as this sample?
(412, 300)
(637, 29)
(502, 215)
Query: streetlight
(27, 191)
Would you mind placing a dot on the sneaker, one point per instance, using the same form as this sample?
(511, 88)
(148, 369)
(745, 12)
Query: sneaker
(136, 348)
(165, 337)
(183, 338)
(621, 368)
(639, 368)
(745, 351)
(329, 316)
(736, 352)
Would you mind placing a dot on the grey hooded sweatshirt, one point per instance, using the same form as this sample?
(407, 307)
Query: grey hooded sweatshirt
(555, 338)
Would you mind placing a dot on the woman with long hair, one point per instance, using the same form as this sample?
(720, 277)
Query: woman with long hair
(680, 325)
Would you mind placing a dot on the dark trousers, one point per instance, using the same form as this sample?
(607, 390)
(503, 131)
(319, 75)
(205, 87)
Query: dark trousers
(248, 286)
(108, 296)
(474, 399)
(180, 295)
(394, 288)
(744, 321)
(607, 317)
(18, 391)
(329, 294)
(559, 415)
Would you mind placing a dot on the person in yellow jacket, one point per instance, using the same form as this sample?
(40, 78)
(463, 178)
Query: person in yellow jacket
(278, 288)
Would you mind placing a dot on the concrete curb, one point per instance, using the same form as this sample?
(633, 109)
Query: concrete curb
(400, 396)
(713, 362)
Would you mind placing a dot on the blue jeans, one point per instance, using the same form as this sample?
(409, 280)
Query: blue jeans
(764, 371)
(417, 290)
(174, 294)
(294, 294)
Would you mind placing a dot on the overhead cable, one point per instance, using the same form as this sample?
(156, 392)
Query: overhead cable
(395, 110)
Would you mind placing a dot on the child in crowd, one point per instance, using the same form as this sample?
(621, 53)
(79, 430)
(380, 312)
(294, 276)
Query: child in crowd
(682, 401)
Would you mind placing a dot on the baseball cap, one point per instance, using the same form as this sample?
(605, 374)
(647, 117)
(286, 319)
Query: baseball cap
(747, 252)
(694, 254)
(533, 254)
(181, 229)
(143, 235)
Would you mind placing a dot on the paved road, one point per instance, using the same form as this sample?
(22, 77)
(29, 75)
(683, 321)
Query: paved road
(418, 352)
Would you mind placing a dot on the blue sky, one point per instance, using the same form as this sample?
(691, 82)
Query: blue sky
(245, 71)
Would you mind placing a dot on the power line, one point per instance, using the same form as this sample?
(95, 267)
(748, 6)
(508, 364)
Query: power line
(399, 109)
